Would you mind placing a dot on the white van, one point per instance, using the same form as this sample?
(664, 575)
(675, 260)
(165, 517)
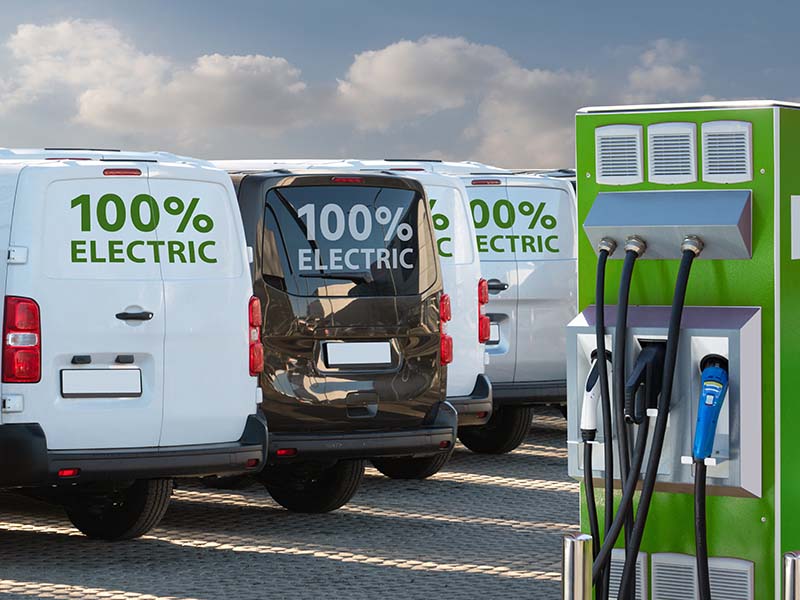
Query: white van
(468, 388)
(128, 320)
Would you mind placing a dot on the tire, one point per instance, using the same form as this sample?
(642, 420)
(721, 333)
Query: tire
(504, 432)
(316, 491)
(411, 468)
(231, 482)
(123, 514)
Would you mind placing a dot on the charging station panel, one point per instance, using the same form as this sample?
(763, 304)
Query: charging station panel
(733, 332)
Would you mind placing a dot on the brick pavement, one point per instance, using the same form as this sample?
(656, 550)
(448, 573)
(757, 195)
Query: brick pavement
(485, 527)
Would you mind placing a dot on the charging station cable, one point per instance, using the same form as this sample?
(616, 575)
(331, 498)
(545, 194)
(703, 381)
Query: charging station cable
(588, 425)
(714, 386)
(634, 248)
(605, 248)
(690, 248)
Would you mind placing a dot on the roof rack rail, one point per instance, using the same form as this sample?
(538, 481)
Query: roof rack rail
(68, 149)
(432, 160)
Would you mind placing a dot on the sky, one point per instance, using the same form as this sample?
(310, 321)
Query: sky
(497, 82)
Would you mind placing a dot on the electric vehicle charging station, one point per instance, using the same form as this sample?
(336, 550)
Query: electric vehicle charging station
(709, 356)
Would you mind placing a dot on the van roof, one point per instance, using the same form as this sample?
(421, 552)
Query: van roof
(717, 104)
(31, 155)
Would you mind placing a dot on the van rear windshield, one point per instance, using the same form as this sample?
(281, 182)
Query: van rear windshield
(347, 241)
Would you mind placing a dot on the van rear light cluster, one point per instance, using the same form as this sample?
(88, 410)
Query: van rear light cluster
(484, 323)
(446, 342)
(22, 341)
(256, 347)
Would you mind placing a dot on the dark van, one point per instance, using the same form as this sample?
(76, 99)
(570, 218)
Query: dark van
(355, 349)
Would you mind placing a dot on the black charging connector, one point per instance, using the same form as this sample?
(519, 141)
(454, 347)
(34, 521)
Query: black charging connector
(644, 384)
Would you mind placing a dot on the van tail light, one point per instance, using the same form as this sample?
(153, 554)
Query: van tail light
(22, 341)
(445, 308)
(484, 323)
(445, 347)
(255, 320)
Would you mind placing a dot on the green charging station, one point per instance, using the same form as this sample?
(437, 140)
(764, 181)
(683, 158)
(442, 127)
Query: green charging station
(696, 209)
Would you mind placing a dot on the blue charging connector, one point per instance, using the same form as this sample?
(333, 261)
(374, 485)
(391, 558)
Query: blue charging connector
(714, 386)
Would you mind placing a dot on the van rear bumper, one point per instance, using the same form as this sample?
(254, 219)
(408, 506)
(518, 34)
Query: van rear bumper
(27, 462)
(475, 409)
(438, 437)
(529, 393)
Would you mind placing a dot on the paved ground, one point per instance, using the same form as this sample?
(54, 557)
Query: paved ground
(485, 527)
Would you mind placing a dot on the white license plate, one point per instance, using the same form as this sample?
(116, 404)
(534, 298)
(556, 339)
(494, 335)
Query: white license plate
(348, 354)
(101, 383)
(494, 333)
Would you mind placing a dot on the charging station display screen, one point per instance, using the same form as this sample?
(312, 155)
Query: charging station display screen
(348, 241)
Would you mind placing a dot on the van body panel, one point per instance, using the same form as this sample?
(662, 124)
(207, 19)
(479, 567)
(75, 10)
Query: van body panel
(67, 273)
(201, 271)
(9, 177)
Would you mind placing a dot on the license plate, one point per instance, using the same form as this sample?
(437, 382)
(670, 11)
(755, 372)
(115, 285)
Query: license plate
(494, 333)
(101, 383)
(348, 354)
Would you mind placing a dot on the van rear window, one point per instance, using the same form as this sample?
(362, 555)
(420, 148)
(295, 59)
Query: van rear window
(347, 241)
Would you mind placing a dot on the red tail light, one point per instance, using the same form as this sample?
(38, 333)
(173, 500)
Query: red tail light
(22, 341)
(445, 309)
(122, 172)
(485, 182)
(347, 180)
(483, 292)
(256, 347)
(484, 323)
(445, 347)
(484, 329)
(67, 473)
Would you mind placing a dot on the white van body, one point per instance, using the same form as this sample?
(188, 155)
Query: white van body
(468, 388)
(138, 264)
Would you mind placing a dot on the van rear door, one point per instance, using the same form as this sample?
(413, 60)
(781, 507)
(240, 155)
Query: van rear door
(207, 383)
(493, 215)
(90, 268)
(547, 270)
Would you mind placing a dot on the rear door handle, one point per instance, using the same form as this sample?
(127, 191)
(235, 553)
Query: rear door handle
(135, 316)
(496, 286)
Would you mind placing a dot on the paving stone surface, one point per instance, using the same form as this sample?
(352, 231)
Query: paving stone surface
(485, 527)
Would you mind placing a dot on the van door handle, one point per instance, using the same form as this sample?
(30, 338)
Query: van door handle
(497, 286)
(135, 316)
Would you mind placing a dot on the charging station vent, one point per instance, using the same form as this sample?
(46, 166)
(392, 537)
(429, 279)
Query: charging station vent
(617, 565)
(675, 577)
(672, 154)
(727, 151)
(618, 150)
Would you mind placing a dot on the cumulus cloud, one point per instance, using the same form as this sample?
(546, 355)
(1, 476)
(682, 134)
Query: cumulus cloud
(664, 73)
(85, 83)
(409, 79)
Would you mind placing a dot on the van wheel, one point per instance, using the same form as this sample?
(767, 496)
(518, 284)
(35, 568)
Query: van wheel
(306, 489)
(505, 431)
(123, 514)
(411, 468)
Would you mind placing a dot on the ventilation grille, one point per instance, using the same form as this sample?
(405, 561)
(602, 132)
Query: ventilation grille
(675, 578)
(727, 154)
(671, 152)
(618, 149)
(617, 565)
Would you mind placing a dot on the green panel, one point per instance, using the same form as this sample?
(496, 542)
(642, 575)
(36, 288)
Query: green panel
(789, 341)
(738, 527)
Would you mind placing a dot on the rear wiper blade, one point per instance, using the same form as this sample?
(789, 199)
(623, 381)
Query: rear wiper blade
(354, 277)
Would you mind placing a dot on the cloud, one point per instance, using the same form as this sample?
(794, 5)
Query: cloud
(664, 73)
(409, 79)
(84, 83)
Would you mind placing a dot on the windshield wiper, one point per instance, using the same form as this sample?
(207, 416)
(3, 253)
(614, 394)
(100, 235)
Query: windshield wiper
(354, 277)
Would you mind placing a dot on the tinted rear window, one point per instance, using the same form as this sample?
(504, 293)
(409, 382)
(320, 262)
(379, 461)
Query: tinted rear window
(347, 241)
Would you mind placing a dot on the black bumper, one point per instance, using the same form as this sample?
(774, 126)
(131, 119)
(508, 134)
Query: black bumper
(27, 462)
(475, 409)
(440, 436)
(529, 393)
